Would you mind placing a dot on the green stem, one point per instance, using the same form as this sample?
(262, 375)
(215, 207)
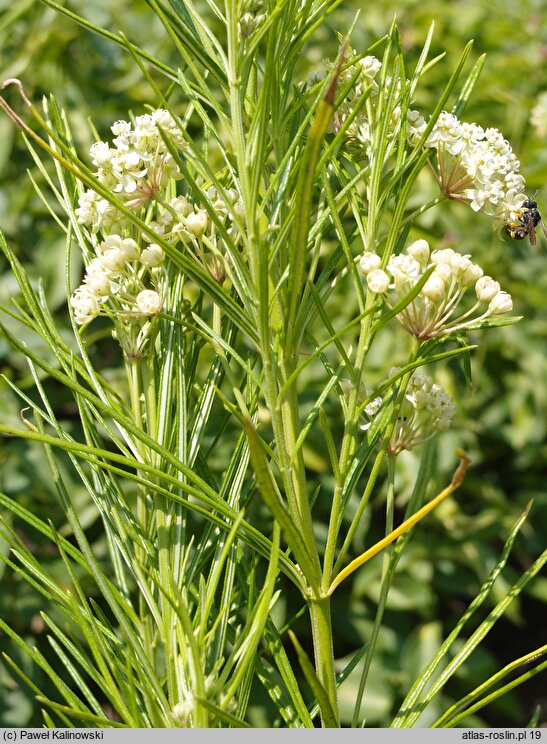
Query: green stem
(294, 468)
(133, 370)
(133, 377)
(320, 617)
(377, 463)
(348, 442)
(371, 482)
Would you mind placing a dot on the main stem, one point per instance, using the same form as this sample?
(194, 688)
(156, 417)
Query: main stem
(321, 627)
(278, 364)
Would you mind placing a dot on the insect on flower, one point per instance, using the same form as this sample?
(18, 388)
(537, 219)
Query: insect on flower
(528, 218)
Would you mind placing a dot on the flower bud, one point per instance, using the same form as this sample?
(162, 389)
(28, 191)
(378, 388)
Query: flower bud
(443, 256)
(438, 425)
(419, 250)
(471, 275)
(374, 406)
(434, 288)
(152, 256)
(148, 302)
(443, 271)
(378, 281)
(369, 261)
(130, 249)
(113, 259)
(501, 303)
(111, 241)
(486, 288)
(181, 205)
(239, 211)
(232, 195)
(196, 223)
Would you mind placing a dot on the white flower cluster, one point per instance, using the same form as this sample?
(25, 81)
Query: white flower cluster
(435, 309)
(426, 410)
(136, 167)
(363, 72)
(125, 279)
(181, 221)
(474, 165)
(123, 274)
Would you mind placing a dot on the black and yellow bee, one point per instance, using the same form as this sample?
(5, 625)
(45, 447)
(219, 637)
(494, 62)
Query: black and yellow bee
(528, 219)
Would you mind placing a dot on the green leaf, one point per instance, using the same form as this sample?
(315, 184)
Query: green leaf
(303, 200)
(315, 684)
(223, 715)
(477, 699)
(285, 692)
(413, 706)
(269, 492)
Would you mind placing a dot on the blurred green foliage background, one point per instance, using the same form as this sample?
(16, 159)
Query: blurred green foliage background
(501, 418)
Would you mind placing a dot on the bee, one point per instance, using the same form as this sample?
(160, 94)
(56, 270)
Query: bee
(527, 221)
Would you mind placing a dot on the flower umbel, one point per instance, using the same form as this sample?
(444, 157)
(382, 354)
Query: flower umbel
(474, 165)
(436, 311)
(426, 411)
(126, 284)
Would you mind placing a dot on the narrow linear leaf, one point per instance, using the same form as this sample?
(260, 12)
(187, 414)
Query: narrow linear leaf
(315, 684)
(268, 491)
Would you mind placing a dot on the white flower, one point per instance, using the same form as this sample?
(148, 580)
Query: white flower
(418, 380)
(370, 66)
(99, 283)
(94, 210)
(183, 710)
(444, 256)
(374, 406)
(404, 269)
(121, 128)
(378, 281)
(152, 256)
(317, 76)
(419, 398)
(139, 164)
(439, 403)
(148, 302)
(415, 126)
(101, 154)
(85, 304)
